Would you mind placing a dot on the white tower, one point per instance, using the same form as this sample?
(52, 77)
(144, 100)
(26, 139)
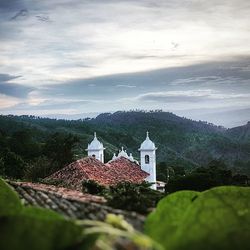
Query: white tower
(96, 149)
(148, 160)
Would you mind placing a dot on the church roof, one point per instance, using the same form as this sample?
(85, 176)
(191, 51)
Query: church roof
(147, 144)
(126, 170)
(95, 144)
(83, 169)
(123, 153)
(89, 168)
(131, 158)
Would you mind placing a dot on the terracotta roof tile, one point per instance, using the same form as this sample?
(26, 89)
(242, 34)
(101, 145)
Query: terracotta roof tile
(89, 168)
(70, 203)
(125, 170)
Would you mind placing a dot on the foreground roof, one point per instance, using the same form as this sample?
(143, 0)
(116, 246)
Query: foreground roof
(71, 203)
(89, 168)
(59, 191)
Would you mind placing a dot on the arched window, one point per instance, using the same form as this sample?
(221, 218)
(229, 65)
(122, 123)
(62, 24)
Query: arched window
(93, 156)
(146, 159)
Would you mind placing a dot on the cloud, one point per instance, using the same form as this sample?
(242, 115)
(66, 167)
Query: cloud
(101, 34)
(20, 15)
(191, 96)
(175, 96)
(9, 5)
(51, 105)
(211, 85)
(86, 53)
(8, 88)
(7, 77)
(7, 101)
(43, 18)
(125, 86)
(14, 90)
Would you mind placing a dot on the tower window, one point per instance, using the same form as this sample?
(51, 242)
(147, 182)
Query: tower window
(146, 159)
(93, 156)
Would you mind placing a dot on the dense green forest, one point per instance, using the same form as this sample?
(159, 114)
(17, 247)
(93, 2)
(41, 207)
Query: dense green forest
(32, 147)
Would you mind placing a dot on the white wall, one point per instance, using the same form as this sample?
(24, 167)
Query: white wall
(150, 167)
(99, 154)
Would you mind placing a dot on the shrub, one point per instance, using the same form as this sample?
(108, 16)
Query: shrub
(133, 197)
(92, 187)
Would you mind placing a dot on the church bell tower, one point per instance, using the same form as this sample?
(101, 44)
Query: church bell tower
(96, 149)
(148, 160)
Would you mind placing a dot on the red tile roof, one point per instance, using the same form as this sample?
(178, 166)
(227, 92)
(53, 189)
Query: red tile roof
(126, 170)
(90, 168)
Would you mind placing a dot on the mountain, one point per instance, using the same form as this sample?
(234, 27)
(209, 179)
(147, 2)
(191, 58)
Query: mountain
(225, 117)
(241, 133)
(180, 141)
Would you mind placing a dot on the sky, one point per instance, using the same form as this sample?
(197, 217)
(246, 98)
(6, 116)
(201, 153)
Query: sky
(69, 58)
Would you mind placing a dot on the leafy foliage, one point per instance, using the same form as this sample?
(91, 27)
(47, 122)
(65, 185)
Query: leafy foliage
(215, 219)
(32, 228)
(23, 156)
(92, 187)
(58, 148)
(39, 168)
(23, 144)
(116, 233)
(36, 228)
(203, 178)
(14, 165)
(125, 195)
(9, 201)
(133, 197)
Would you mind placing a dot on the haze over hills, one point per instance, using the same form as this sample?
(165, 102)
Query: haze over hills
(222, 117)
(180, 141)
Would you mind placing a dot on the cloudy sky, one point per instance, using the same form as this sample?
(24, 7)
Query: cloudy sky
(68, 57)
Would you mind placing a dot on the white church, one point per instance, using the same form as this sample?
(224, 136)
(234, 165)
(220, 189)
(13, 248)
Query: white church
(147, 156)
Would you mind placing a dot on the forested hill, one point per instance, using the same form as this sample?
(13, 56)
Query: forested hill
(241, 133)
(180, 141)
(167, 119)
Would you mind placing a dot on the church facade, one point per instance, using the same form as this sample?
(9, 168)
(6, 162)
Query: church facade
(147, 156)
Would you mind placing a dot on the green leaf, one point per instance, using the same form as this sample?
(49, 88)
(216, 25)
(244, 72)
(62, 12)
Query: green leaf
(41, 213)
(217, 219)
(37, 228)
(162, 224)
(9, 200)
(26, 231)
(33, 227)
